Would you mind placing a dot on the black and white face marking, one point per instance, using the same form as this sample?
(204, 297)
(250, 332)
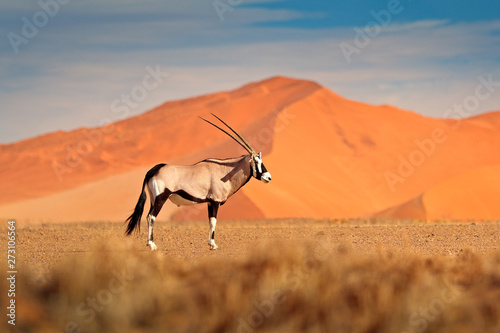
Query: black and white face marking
(259, 170)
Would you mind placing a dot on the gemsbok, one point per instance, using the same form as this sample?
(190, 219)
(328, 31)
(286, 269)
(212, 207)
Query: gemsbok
(212, 181)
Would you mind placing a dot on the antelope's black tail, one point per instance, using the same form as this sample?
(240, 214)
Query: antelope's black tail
(134, 220)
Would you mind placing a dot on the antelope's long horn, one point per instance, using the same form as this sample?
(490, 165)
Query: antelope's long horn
(238, 134)
(242, 143)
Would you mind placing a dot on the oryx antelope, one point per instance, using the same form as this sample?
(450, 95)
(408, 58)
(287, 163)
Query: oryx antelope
(212, 181)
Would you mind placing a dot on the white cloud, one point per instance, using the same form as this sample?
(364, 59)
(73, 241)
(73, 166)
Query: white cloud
(424, 24)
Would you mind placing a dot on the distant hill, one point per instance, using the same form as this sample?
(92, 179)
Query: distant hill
(330, 158)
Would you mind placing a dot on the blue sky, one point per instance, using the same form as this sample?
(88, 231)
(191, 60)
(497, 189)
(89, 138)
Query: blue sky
(66, 64)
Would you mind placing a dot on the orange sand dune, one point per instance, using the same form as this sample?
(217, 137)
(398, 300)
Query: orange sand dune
(49, 171)
(348, 159)
(413, 209)
(329, 157)
(60, 160)
(472, 195)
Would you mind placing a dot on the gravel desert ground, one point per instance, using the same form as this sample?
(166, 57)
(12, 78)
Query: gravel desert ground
(45, 246)
(269, 276)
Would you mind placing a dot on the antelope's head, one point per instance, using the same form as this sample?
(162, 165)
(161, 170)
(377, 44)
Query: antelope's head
(259, 171)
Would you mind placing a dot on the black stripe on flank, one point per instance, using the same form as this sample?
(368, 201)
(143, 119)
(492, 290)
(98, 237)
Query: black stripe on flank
(184, 195)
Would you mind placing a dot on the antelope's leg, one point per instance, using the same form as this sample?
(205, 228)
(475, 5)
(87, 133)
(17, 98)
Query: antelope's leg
(153, 213)
(151, 243)
(213, 207)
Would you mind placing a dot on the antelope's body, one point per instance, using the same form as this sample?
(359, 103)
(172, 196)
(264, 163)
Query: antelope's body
(212, 181)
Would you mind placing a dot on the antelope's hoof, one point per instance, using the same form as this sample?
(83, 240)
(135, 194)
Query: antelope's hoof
(153, 246)
(214, 248)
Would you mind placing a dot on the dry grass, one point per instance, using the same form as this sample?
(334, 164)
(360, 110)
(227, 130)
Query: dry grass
(280, 287)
